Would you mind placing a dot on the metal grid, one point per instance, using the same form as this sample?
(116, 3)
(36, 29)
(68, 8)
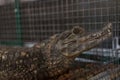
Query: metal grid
(7, 25)
(41, 19)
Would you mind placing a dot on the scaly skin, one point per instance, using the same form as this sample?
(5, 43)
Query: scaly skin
(49, 58)
(92, 71)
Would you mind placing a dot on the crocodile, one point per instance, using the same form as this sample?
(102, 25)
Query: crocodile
(50, 58)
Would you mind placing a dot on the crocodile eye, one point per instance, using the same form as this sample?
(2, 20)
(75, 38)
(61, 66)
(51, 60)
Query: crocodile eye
(76, 30)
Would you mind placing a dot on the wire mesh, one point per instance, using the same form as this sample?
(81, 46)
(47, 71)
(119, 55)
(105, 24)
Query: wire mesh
(40, 19)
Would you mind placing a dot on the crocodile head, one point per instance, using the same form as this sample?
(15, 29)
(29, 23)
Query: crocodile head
(73, 43)
(60, 50)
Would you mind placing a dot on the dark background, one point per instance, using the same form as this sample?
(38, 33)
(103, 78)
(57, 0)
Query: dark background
(43, 18)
